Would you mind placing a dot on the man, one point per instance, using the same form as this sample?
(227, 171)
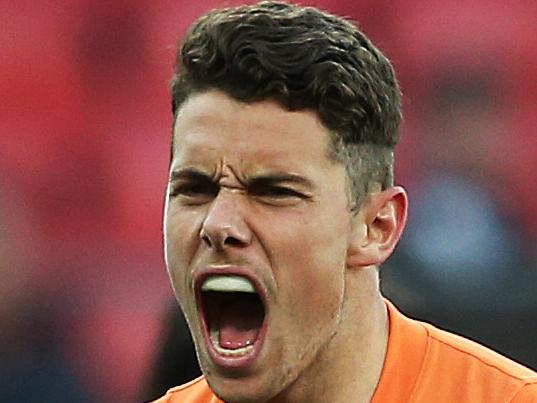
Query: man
(281, 207)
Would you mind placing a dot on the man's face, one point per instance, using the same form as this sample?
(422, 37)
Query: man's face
(257, 228)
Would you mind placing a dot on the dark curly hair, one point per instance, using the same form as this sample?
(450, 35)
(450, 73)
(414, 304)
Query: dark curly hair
(301, 58)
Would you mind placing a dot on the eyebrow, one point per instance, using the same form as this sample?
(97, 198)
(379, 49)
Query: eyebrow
(261, 180)
(190, 174)
(278, 177)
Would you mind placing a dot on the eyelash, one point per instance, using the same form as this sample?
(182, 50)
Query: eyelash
(200, 192)
(278, 191)
(192, 189)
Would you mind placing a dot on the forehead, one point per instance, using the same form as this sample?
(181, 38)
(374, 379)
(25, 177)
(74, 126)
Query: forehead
(212, 124)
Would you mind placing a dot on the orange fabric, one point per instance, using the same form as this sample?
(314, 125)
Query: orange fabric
(424, 364)
(196, 391)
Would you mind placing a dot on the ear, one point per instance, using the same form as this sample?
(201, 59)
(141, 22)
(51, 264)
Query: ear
(377, 227)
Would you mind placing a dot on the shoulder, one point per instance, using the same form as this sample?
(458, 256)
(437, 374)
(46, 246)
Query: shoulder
(526, 394)
(196, 391)
(475, 369)
(427, 364)
(456, 349)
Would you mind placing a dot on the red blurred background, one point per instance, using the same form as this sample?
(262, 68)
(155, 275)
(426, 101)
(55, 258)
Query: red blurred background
(85, 124)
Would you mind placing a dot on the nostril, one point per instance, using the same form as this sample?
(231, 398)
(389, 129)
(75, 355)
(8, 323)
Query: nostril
(219, 237)
(231, 241)
(205, 238)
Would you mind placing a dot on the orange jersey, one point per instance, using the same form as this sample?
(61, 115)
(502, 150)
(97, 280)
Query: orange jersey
(424, 364)
(196, 391)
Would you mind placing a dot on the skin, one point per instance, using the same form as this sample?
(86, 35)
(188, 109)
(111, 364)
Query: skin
(328, 327)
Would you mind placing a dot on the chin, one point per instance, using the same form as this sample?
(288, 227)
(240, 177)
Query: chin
(240, 390)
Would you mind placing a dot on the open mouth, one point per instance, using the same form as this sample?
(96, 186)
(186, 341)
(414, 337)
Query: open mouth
(233, 316)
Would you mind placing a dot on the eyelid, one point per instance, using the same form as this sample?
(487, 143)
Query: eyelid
(200, 187)
(287, 190)
(277, 191)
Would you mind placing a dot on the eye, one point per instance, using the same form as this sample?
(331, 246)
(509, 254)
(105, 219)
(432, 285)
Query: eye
(194, 192)
(280, 191)
(278, 195)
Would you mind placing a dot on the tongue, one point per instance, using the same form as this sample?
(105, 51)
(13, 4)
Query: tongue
(240, 323)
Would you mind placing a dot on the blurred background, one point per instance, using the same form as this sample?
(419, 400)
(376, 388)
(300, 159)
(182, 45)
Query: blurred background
(86, 312)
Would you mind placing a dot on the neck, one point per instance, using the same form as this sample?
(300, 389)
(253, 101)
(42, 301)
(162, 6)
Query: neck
(350, 365)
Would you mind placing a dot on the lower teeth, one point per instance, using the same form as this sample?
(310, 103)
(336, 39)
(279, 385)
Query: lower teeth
(215, 335)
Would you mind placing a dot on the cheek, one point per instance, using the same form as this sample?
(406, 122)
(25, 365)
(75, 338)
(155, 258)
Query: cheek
(312, 259)
(318, 279)
(181, 242)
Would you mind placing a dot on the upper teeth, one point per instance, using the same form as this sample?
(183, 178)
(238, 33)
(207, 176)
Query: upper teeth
(228, 284)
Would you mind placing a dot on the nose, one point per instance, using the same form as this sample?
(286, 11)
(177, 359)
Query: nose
(224, 226)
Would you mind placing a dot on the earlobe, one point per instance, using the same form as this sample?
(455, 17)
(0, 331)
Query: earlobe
(378, 227)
